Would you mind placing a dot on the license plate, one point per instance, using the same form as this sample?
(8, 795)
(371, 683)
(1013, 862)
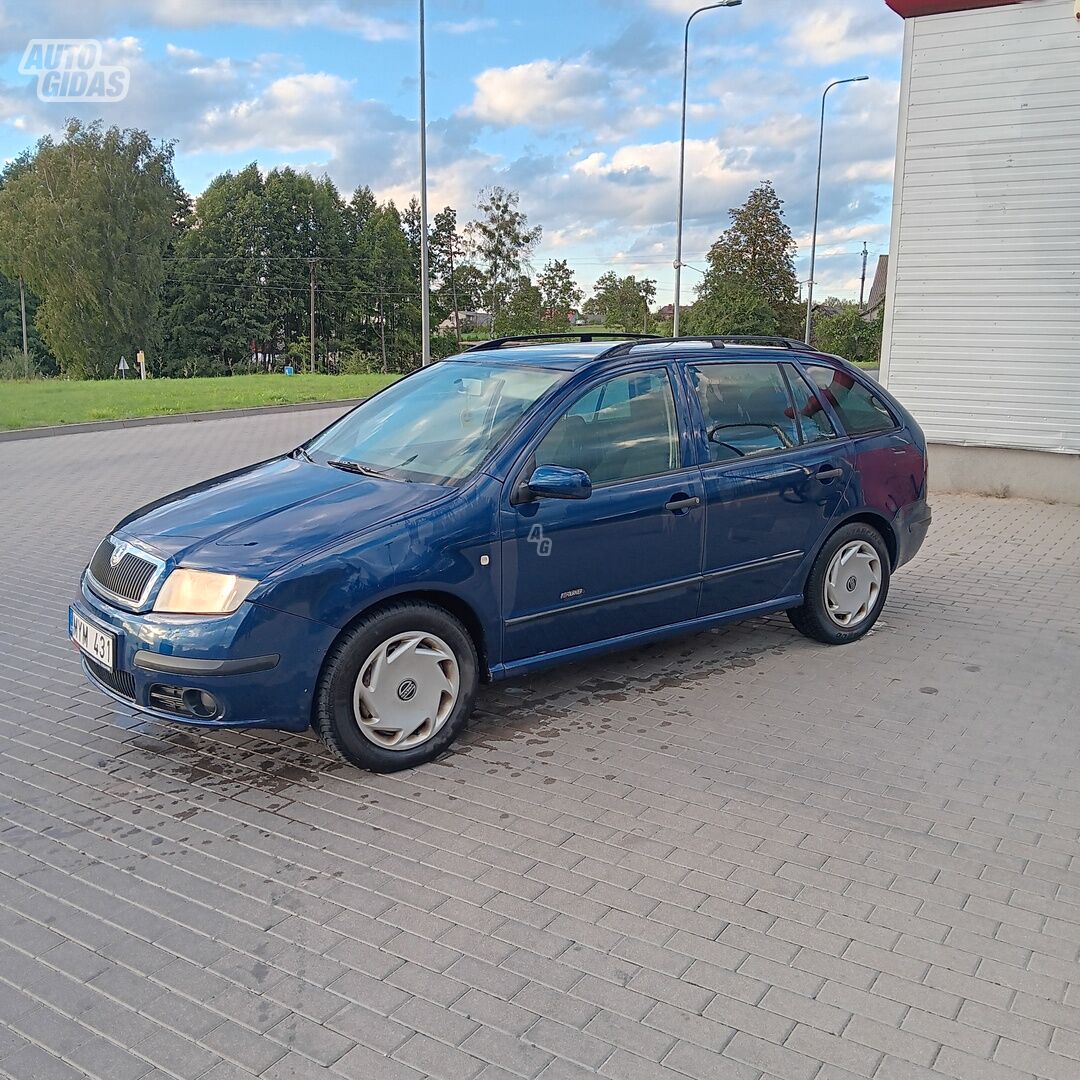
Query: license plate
(98, 644)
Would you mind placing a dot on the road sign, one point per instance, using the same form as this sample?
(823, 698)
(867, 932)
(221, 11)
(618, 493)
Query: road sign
(122, 367)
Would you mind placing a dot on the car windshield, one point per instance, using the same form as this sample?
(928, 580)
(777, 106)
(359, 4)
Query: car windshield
(437, 425)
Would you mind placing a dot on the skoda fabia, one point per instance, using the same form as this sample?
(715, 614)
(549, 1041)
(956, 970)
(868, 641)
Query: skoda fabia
(523, 504)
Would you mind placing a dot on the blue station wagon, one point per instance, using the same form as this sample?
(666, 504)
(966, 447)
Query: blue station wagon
(529, 502)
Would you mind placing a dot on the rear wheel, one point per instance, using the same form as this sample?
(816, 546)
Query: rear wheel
(398, 688)
(847, 586)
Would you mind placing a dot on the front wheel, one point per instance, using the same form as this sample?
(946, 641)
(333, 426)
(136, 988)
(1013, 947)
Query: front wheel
(847, 587)
(398, 688)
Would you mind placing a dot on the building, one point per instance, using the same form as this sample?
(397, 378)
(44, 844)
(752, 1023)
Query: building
(876, 300)
(467, 320)
(982, 325)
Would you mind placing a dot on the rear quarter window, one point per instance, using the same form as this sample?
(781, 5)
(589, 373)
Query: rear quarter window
(861, 411)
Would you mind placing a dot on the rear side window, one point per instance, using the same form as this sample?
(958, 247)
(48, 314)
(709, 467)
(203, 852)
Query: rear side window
(813, 419)
(747, 408)
(860, 410)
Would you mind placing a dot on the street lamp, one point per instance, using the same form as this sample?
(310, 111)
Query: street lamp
(817, 203)
(682, 151)
(425, 284)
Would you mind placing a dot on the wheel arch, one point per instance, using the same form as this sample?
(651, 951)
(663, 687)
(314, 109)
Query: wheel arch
(876, 521)
(450, 602)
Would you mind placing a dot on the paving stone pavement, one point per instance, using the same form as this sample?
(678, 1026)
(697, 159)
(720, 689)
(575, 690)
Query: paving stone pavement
(739, 855)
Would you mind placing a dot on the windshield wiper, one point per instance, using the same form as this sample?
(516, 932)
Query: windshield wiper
(364, 470)
(301, 452)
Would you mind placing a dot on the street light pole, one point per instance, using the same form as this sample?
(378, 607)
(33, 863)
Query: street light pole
(817, 203)
(425, 284)
(682, 152)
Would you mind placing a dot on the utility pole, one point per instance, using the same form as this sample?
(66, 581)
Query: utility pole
(382, 329)
(453, 289)
(22, 308)
(862, 286)
(311, 325)
(425, 282)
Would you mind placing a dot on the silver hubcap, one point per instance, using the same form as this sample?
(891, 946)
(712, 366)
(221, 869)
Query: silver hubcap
(853, 583)
(406, 690)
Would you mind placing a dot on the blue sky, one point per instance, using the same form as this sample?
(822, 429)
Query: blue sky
(574, 104)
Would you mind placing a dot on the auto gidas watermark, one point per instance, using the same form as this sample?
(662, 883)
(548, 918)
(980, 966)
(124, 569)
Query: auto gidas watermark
(74, 69)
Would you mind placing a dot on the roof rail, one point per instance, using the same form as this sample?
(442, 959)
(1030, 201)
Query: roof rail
(541, 339)
(624, 347)
(768, 339)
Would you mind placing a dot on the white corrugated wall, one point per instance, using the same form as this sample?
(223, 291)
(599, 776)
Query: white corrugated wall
(982, 335)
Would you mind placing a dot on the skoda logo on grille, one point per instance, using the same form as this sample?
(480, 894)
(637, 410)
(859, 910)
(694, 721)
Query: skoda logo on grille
(407, 690)
(118, 553)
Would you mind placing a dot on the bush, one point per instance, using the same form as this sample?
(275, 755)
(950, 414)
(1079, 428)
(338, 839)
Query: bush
(13, 365)
(188, 367)
(359, 363)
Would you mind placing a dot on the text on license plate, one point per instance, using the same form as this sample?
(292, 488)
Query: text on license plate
(98, 644)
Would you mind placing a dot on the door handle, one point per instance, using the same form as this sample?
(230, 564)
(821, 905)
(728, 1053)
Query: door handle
(682, 502)
(829, 474)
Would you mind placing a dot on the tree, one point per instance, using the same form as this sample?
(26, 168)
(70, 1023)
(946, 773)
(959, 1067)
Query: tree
(624, 302)
(393, 323)
(306, 233)
(446, 249)
(522, 312)
(501, 240)
(731, 305)
(87, 223)
(559, 293)
(751, 279)
(848, 333)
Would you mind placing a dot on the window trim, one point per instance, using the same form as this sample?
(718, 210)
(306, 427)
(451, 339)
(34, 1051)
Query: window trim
(870, 388)
(528, 456)
(787, 367)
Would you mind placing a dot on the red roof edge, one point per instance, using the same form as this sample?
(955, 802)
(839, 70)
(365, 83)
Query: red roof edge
(909, 9)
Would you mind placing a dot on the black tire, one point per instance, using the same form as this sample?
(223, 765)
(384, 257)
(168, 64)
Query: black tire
(812, 618)
(333, 718)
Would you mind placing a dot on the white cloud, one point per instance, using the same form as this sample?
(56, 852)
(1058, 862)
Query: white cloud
(829, 35)
(542, 93)
(78, 18)
(466, 26)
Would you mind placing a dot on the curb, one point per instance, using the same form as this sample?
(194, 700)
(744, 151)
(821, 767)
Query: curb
(20, 434)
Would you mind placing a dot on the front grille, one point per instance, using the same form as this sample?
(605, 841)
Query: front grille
(119, 682)
(129, 578)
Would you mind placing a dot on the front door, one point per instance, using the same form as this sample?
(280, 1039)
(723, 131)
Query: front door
(624, 560)
(775, 476)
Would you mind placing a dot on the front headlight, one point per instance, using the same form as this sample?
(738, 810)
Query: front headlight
(202, 592)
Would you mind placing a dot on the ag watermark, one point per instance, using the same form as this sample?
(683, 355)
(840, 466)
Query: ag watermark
(73, 69)
(542, 543)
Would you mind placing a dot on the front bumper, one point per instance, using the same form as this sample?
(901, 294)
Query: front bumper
(260, 665)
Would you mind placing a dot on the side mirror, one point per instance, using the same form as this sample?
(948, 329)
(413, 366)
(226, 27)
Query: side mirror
(555, 482)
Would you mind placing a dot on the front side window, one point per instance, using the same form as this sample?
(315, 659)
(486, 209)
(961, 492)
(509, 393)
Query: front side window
(747, 408)
(438, 425)
(623, 429)
(861, 411)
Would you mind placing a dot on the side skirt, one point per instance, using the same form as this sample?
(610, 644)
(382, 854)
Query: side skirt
(580, 652)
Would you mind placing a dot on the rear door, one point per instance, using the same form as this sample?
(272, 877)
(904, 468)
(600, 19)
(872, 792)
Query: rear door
(775, 472)
(626, 559)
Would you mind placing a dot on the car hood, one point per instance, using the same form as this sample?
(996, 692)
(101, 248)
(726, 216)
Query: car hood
(253, 521)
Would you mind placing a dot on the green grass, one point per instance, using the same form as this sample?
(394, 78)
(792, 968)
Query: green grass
(62, 401)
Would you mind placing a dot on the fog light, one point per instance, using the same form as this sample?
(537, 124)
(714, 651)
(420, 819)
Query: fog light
(201, 704)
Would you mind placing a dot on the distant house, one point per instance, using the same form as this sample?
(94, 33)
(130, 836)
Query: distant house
(468, 320)
(666, 312)
(982, 324)
(876, 300)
